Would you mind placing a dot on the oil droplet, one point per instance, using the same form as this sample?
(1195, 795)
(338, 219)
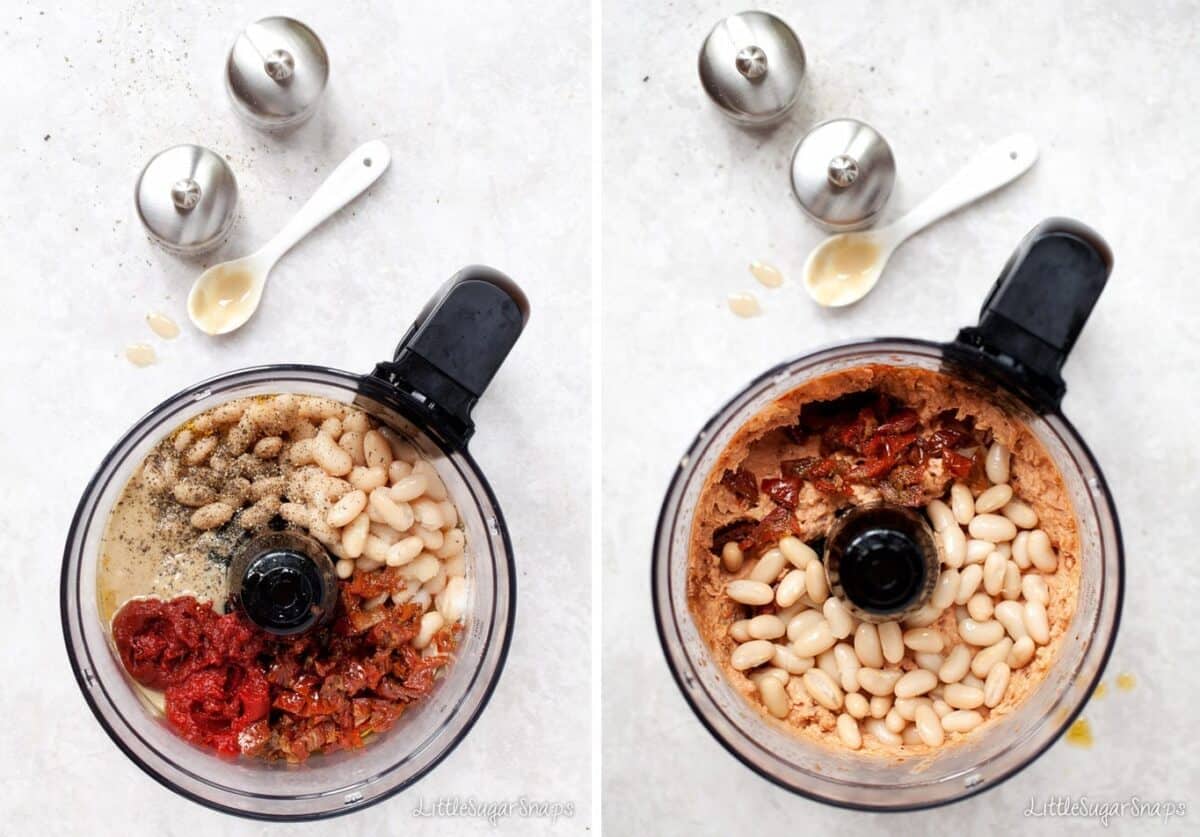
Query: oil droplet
(224, 300)
(744, 305)
(1080, 734)
(140, 354)
(768, 276)
(1101, 691)
(1126, 681)
(162, 325)
(842, 269)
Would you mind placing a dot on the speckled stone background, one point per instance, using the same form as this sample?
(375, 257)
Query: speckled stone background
(689, 201)
(490, 162)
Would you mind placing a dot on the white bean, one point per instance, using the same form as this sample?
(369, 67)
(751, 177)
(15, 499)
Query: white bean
(961, 696)
(383, 509)
(774, 697)
(923, 616)
(906, 708)
(751, 654)
(1036, 622)
(452, 544)
(332, 459)
(962, 503)
(346, 509)
(946, 589)
(790, 589)
(841, 623)
(1012, 616)
(986, 660)
(344, 568)
(992, 527)
(732, 556)
(815, 583)
(1020, 550)
(1040, 552)
(354, 535)
(891, 641)
(857, 705)
(790, 661)
(894, 722)
(961, 721)
(847, 666)
(993, 573)
(996, 464)
(822, 688)
(980, 607)
(954, 546)
(956, 666)
(996, 684)
(749, 592)
(981, 634)
(797, 551)
(978, 550)
(940, 515)
(914, 683)
(739, 631)
(1020, 513)
(993, 498)
(766, 626)
(376, 450)
(827, 662)
(1022, 653)
(923, 639)
(848, 732)
(878, 730)
(929, 661)
(452, 601)
(802, 622)
(1012, 581)
(429, 513)
(968, 583)
(879, 682)
(409, 488)
(1033, 587)
(941, 708)
(431, 623)
(880, 706)
(929, 726)
(816, 640)
(866, 645)
(768, 568)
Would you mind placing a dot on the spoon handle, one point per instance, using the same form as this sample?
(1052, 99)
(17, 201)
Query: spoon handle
(349, 180)
(992, 168)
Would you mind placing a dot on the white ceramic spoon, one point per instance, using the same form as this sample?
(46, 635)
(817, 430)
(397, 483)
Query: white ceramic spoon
(844, 268)
(226, 295)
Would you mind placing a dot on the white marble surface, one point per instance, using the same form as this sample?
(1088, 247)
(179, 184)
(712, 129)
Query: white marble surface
(490, 161)
(690, 200)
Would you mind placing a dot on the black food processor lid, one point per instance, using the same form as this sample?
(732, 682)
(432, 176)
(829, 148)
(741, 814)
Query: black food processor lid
(284, 582)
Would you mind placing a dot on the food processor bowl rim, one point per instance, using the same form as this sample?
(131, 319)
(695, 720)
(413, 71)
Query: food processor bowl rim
(143, 425)
(932, 349)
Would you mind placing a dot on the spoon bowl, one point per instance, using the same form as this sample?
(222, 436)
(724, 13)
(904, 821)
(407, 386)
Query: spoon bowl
(226, 295)
(844, 268)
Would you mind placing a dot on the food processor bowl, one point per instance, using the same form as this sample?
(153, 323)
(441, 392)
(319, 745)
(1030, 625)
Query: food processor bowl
(475, 306)
(1066, 264)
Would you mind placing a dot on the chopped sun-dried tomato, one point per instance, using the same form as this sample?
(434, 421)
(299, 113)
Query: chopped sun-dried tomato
(743, 485)
(777, 524)
(785, 491)
(740, 532)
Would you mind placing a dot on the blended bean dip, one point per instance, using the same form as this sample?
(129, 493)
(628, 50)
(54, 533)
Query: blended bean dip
(1007, 540)
(316, 467)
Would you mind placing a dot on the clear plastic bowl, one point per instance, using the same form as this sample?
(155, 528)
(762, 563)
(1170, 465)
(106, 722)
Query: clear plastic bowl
(855, 780)
(322, 786)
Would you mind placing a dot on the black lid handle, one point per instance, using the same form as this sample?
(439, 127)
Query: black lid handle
(456, 345)
(1039, 304)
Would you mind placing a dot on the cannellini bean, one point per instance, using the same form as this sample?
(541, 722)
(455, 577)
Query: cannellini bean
(802, 622)
(841, 623)
(815, 584)
(331, 427)
(857, 705)
(958, 662)
(968, 583)
(906, 708)
(1036, 622)
(880, 705)
(923, 616)
(739, 631)
(431, 623)
(398, 470)
(774, 696)
(1012, 616)
(749, 592)
(946, 590)
(332, 459)
(212, 516)
(732, 557)
(433, 483)
(986, 660)
(879, 682)
(992, 527)
(816, 640)
(923, 639)
(352, 443)
(346, 509)
(383, 509)
(429, 513)
(940, 515)
(1041, 554)
(891, 641)
(993, 498)
(453, 544)
(914, 683)
(981, 634)
(376, 450)
(797, 551)
(1033, 587)
(894, 722)
(790, 589)
(1022, 653)
(929, 661)
(980, 607)
(996, 684)
(1020, 550)
(357, 421)
(1012, 581)
(827, 662)
(996, 464)
(847, 666)
(848, 732)
(954, 546)
(367, 565)
(404, 551)
(929, 726)
(452, 601)
(423, 568)
(367, 479)
(193, 494)
(993, 573)
(941, 708)
(1020, 513)
(866, 645)
(344, 568)
(768, 568)
(961, 696)
(431, 538)
(978, 550)
(961, 721)
(409, 488)
(789, 660)
(962, 503)
(354, 535)
(822, 688)
(751, 654)
(878, 730)
(766, 626)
